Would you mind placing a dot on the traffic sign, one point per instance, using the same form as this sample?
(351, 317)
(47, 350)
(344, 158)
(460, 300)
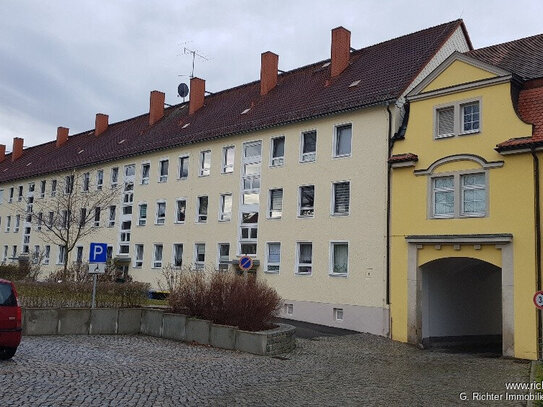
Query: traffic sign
(98, 253)
(97, 268)
(245, 263)
(538, 299)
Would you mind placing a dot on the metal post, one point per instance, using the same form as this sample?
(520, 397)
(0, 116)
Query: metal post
(94, 291)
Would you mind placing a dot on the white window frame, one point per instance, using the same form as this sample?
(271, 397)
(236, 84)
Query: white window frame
(333, 199)
(223, 265)
(157, 263)
(160, 220)
(201, 217)
(338, 314)
(298, 264)
(174, 252)
(300, 208)
(145, 179)
(85, 185)
(458, 118)
(331, 271)
(335, 146)
(46, 254)
(163, 170)
(177, 210)
(458, 212)
(199, 265)
(226, 167)
(270, 263)
(112, 211)
(278, 161)
(203, 171)
(270, 202)
(54, 184)
(114, 176)
(311, 156)
(17, 224)
(43, 188)
(61, 254)
(143, 221)
(8, 223)
(99, 180)
(225, 216)
(180, 160)
(138, 261)
(97, 214)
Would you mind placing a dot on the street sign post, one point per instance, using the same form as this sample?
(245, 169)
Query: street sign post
(245, 263)
(97, 264)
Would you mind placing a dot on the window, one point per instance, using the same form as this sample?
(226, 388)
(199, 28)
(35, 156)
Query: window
(157, 255)
(273, 257)
(163, 170)
(304, 257)
(36, 254)
(180, 210)
(51, 219)
(97, 216)
(138, 262)
(276, 203)
(339, 258)
(145, 169)
(53, 188)
(308, 149)
(46, 254)
(178, 255)
(99, 179)
(183, 167)
(17, 223)
(340, 204)
(68, 184)
(20, 195)
(40, 221)
(129, 170)
(225, 213)
(61, 254)
(5, 255)
(114, 176)
(202, 209)
(459, 195)
(42, 190)
(79, 254)
(10, 195)
(86, 182)
(289, 309)
(142, 221)
(199, 255)
(8, 223)
(112, 210)
(31, 187)
(205, 163)
(457, 119)
(160, 213)
(224, 256)
(307, 201)
(278, 151)
(338, 314)
(228, 160)
(82, 217)
(342, 142)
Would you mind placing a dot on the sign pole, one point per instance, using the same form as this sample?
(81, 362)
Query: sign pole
(94, 291)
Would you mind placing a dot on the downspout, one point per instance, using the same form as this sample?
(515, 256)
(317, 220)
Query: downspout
(389, 174)
(537, 213)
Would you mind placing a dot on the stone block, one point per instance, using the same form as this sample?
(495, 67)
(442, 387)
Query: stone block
(73, 321)
(197, 330)
(40, 321)
(173, 326)
(104, 321)
(222, 336)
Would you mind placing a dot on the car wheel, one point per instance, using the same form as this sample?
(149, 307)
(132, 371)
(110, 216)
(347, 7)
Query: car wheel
(7, 353)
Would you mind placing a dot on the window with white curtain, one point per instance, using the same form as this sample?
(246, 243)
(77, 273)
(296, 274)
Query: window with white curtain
(274, 257)
(276, 203)
(304, 263)
(342, 142)
(339, 258)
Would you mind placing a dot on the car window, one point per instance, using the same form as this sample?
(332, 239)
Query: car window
(7, 298)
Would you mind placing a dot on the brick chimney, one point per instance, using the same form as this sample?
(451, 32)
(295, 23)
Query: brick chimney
(2, 152)
(269, 64)
(17, 148)
(62, 135)
(101, 123)
(341, 50)
(197, 94)
(156, 107)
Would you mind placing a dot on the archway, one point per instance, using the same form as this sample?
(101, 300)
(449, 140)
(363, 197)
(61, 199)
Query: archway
(461, 304)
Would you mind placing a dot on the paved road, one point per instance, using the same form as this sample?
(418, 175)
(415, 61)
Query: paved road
(351, 370)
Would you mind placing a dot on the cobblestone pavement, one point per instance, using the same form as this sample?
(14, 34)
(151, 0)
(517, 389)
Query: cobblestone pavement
(352, 370)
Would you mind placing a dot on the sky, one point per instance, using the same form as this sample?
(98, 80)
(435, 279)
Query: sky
(63, 61)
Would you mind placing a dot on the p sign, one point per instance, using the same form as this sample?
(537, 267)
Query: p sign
(98, 253)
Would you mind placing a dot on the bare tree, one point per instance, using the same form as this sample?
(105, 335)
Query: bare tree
(73, 213)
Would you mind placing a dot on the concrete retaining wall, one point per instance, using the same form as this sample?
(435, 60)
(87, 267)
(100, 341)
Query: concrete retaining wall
(109, 321)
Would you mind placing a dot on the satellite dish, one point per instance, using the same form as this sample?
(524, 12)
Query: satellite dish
(183, 90)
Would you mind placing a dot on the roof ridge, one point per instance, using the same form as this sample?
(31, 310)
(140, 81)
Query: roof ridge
(504, 43)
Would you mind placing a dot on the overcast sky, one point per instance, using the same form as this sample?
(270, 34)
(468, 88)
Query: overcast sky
(63, 61)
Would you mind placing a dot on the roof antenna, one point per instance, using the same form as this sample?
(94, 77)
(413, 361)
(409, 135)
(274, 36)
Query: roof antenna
(194, 54)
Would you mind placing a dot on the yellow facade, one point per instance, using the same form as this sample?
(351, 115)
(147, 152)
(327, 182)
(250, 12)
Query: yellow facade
(509, 188)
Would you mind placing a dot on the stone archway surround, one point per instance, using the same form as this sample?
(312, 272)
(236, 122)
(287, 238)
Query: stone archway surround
(414, 281)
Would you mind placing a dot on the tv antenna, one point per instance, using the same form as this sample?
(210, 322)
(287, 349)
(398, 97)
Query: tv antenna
(194, 54)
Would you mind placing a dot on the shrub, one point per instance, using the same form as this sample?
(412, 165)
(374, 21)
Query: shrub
(226, 298)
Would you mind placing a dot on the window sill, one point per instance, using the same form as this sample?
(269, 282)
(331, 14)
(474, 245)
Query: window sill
(344, 275)
(271, 271)
(200, 223)
(137, 267)
(305, 216)
(203, 175)
(159, 224)
(162, 181)
(342, 156)
(340, 215)
(224, 220)
(302, 274)
(227, 173)
(274, 218)
(179, 222)
(469, 133)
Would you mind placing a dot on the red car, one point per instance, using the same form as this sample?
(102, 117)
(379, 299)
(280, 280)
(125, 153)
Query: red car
(10, 320)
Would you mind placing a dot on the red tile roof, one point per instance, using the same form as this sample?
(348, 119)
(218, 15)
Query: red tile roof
(385, 70)
(402, 158)
(530, 109)
(523, 57)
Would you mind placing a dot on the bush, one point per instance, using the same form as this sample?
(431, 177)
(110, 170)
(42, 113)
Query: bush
(226, 298)
(71, 294)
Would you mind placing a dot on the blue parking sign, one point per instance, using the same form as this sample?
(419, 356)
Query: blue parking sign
(98, 253)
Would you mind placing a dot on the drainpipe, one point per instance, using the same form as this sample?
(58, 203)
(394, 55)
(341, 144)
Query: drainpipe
(389, 174)
(537, 213)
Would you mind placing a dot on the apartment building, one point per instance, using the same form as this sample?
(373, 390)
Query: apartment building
(466, 233)
(291, 169)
